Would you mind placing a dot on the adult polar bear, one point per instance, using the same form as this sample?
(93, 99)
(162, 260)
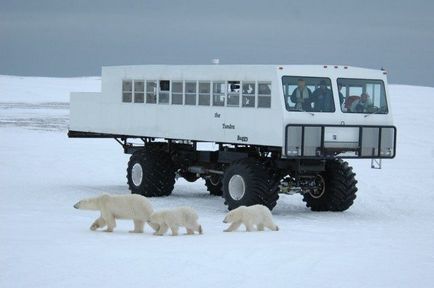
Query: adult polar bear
(257, 215)
(112, 207)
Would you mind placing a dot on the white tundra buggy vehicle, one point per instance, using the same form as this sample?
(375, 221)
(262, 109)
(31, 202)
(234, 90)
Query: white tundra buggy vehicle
(251, 131)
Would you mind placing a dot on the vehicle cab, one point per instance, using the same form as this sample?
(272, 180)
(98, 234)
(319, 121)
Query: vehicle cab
(336, 111)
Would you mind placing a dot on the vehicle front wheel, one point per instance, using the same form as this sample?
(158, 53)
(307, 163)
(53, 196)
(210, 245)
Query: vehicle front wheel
(338, 188)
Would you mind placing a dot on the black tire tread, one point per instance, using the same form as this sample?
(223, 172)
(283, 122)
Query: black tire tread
(340, 188)
(216, 190)
(158, 173)
(259, 190)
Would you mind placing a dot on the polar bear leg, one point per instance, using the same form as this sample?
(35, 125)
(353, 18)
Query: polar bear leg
(260, 227)
(98, 223)
(154, 226)
(163, 228)
(194, 227)
(138, 226)
(197, 228)
(249, 226)
(174, 230)
(272, 226)
(109, 219)
(233, 226)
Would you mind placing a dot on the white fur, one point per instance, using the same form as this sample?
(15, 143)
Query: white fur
(135, 207)
(256, 215)
(175, 218)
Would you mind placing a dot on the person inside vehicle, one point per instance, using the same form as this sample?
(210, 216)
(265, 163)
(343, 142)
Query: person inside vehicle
(301, 97)
(360, 105)
(322, 98)
(341, 96)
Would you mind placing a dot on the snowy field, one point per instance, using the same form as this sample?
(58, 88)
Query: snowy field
(386, 239)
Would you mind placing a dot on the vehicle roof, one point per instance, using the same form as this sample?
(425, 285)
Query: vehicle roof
(301, 70)
(241, 66)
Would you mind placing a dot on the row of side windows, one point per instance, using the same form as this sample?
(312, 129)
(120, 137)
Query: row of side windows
(203, 93)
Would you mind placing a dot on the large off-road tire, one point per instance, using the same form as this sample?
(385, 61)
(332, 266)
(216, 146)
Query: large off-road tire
(272, 194)
(151, 173)
(214, 185)
(339, 188)
(247, 183)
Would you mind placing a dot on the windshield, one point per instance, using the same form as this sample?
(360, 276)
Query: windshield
(310, 94)
(362, 96)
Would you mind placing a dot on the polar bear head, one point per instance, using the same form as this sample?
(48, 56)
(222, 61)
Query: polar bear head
(234, 215)
(87, 204)
(156, 218)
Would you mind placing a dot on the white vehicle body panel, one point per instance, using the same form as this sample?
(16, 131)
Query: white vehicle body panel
(105, 112)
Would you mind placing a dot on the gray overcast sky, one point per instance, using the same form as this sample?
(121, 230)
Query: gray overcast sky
(76, 38)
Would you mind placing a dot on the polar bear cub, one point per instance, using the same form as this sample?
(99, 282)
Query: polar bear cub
(175, 218)
(257, 215)
(112, 207)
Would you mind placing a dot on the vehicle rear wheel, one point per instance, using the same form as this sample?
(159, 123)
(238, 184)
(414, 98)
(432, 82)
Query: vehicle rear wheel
(338, 188)
(214, 185)
(247, 183)
(151, 173)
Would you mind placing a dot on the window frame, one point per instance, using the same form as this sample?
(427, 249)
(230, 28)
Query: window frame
(134, 90)
(177, 93)
(127, 91)
(156, 91)
(254, 95)
(224, 92)
(228, 94)
(190, 93)
(263, 95)
(159, 90)
(319, 77)
(367, 80)
(209, 82)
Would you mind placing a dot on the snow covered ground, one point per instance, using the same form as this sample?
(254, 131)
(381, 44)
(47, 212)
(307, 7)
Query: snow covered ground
(385, 240)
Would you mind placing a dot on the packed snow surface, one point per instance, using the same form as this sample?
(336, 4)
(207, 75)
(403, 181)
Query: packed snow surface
(386, 239)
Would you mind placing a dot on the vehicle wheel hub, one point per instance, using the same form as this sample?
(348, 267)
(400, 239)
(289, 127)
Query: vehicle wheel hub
(137, 174)
(237, 187)
(214, 180)
(319, 189)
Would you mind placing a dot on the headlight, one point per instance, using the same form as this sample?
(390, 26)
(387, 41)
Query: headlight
(294, 152)
(386, 152)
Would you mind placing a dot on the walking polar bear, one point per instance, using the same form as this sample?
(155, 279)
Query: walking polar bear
(112, 207)
(175, 218)
(258, 215)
